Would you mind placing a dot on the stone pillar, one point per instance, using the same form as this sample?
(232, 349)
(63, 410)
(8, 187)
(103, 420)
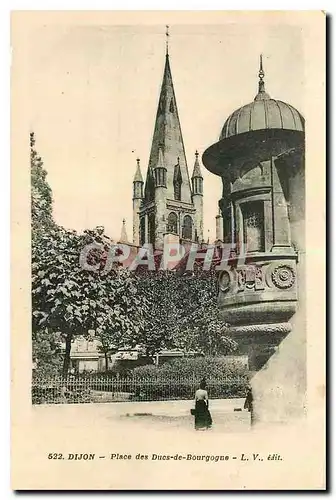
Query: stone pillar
(197, 200)
(219, 227)
(136, 221)
(279, 388)
(281, 228)
(146, 229)
(160, 217)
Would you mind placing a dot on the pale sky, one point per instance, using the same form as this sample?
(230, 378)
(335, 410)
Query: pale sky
(93, 99)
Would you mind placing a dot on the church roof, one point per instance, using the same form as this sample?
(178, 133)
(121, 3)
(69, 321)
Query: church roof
(262, 113)
(197, 168)
(138, 174)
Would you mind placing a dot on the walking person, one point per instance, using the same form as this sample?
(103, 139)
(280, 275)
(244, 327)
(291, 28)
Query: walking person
(202, 414)
(248, 405)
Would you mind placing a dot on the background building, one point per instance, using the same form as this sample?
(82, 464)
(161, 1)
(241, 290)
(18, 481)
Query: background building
(167, 204)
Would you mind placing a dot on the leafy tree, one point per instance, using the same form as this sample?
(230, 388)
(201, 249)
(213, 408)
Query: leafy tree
(158, 290)
(41, 195)
(121, 323)
(73, 300)
(183, 313)
(47, 352)
(162, 309)
(201, 327)
(46, 345)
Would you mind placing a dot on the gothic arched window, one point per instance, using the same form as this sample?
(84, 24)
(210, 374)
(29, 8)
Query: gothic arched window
(150, 186)
(177, 182)
(172, 223)
(253, 226)
(151, 228)
(187, 228)
(171, 106)
(142, 231)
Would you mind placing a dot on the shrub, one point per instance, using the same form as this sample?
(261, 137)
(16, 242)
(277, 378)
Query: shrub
(208, 366)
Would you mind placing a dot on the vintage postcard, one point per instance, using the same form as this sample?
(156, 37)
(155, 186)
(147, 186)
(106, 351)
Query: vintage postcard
(168, 250)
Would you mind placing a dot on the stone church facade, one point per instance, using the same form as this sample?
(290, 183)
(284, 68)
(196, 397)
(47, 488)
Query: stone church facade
(168, 206)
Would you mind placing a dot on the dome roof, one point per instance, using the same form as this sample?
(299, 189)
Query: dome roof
(263, 113)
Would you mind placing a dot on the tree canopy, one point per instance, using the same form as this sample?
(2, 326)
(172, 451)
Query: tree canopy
(155, 309)
(41, 194)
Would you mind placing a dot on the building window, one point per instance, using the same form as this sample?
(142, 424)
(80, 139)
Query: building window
(150, 186)
(160, 177)
(253, 226)
(162, 103)
(172, 223)
(177, 181)
(142, 231)
(151, 228)
(177, 191)
(187, 228)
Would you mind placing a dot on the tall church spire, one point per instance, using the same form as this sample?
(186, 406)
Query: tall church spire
(168, 135)
(170, 210)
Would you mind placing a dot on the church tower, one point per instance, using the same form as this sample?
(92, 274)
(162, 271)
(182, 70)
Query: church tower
(170, 207)
(197, 197)
(137, 199)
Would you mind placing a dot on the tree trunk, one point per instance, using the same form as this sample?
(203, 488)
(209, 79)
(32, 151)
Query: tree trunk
(106, 361)
(66, 362)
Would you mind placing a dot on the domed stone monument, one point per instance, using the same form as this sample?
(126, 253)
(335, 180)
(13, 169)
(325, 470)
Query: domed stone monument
(260, 158)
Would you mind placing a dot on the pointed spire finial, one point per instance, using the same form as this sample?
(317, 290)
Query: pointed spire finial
(123, 235)
(160, 162)
(167, 39)
(138, 175)
(261, 69)
(197, 169)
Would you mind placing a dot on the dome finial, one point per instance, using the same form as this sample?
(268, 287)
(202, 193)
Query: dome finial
(261, 84)
(167, 40)
(261, 76)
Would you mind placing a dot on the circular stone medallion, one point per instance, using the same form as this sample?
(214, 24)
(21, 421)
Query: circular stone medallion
(283, 276)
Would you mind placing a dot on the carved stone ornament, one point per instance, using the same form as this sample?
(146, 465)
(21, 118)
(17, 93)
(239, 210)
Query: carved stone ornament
(241, 279)
(266, 328)
(250, 278)
(224, 281)
(283, 276)
(259, 283)
(250, 274)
